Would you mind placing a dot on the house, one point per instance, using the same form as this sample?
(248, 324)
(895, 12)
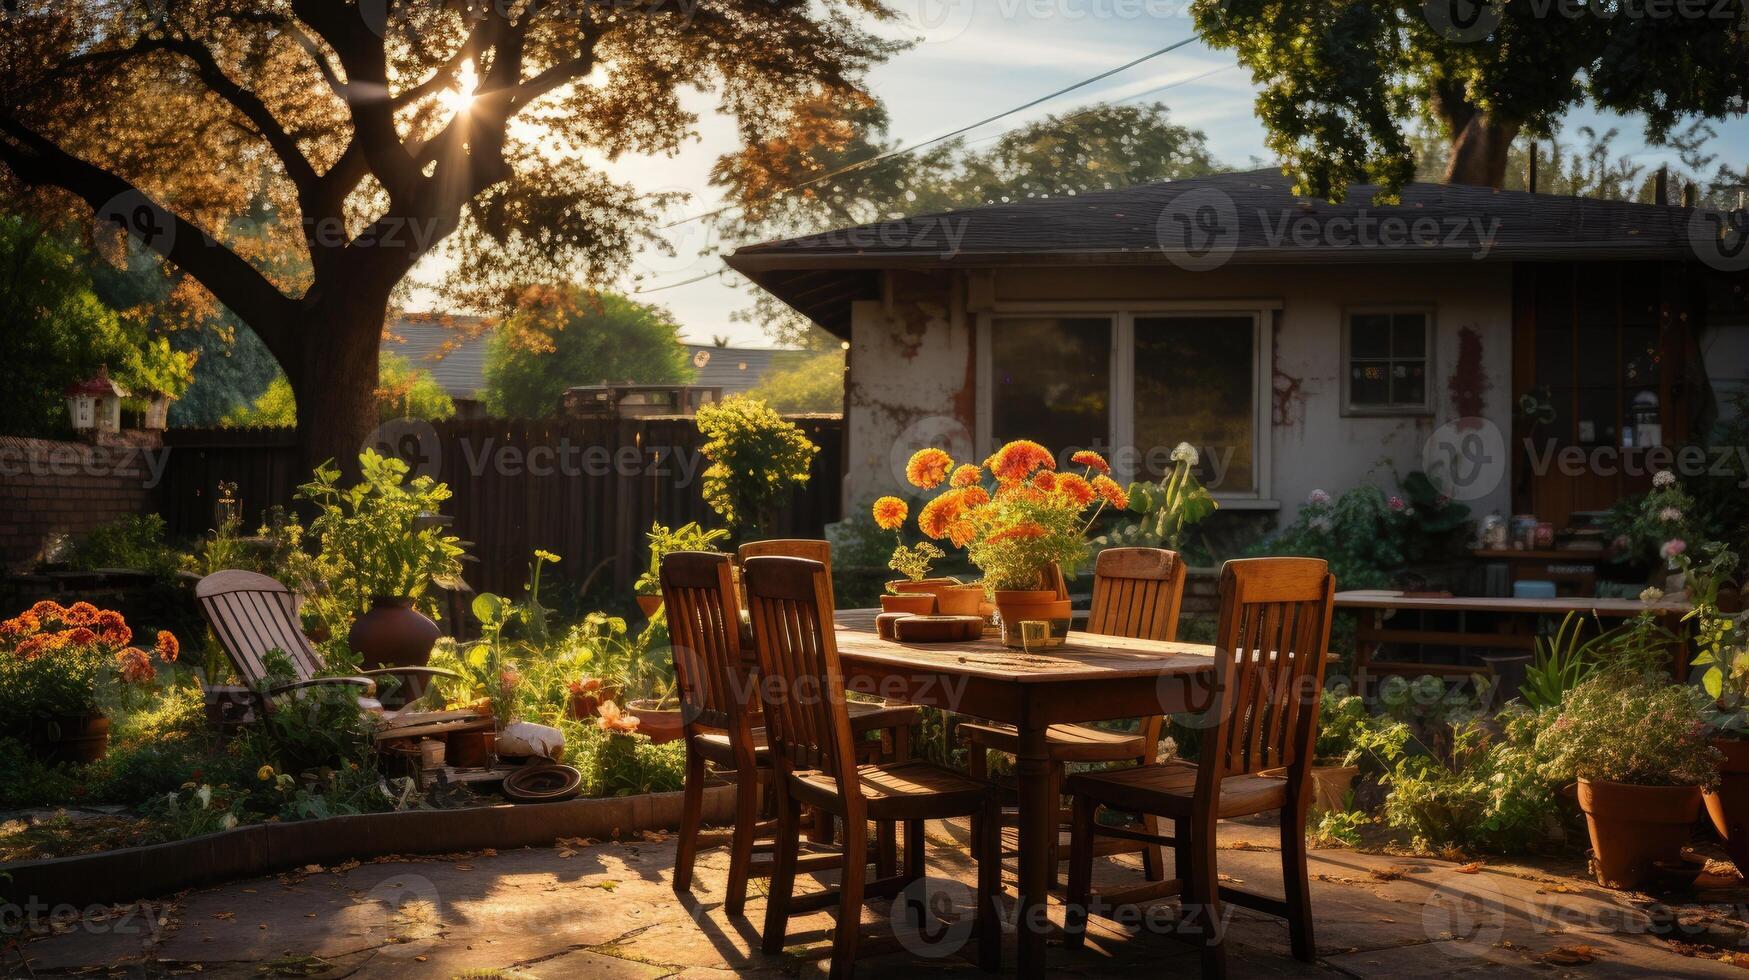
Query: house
(452, 347)
(1537, 353)
(738, 369)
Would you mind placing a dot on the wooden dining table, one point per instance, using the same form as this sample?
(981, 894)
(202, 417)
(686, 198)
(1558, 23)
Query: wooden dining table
(1091, 678)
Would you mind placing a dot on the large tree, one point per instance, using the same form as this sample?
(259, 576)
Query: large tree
(378, 129)
(565, 337)
(1345, 80)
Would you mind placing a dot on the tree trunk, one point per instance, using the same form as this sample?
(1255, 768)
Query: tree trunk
(1479, 150)
(335, 381)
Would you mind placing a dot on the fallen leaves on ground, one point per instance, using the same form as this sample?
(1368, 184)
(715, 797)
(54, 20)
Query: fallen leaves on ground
(1575, 955)
(1473, 868)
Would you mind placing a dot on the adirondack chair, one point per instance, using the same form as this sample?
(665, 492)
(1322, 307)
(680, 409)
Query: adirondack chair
(253, 615)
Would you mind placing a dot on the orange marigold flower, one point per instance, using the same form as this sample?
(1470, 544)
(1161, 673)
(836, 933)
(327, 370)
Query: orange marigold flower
(109, 619)
(934, 518)
(1045, 480)
(1114, 495)
(973, 496)
(81, 614)
(32, 647)
(47, 609)
(81, 636)
(1016, 461)
(135, 666)
(20, 626)
(1024, 531)
(889, 513)
(117, 637)
(961, 532)
(167, 646)
(1091, 460)
(928, 468)
(1075, 487)
(966, 475)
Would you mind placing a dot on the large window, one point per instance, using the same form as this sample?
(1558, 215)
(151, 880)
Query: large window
(1133, 384)
(1387, 363)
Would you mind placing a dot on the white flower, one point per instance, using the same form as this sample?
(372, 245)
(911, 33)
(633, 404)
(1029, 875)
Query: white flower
(1184, 452)
(229, 822)
(1663, 478)
(205, 795)
(1317, 497)
(1652, 594)
(1670, 515)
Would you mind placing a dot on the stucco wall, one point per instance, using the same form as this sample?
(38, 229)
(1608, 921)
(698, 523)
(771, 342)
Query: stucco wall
(913, 363)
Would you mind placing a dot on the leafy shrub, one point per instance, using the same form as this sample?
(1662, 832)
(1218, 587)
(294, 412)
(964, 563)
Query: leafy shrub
(1484, 791)
(663, 540)
(756, 457)
(1368, 537)
(1630, 729)
(135, 542)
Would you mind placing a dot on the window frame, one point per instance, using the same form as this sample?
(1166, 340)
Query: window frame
(1122, 317)
(1431, 357)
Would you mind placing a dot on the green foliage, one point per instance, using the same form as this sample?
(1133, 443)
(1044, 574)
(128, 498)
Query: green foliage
(1338, 828)
(1623, 727)
(1368, 537)
(915, 561)
(629, 764)
(403, 391)
(578, 338)
(58, 331)
(816, 385)
(1561, 662)
(663, 540)
(375, 538)
(1342, 82)
(135, 542)
(1347, 730)
(756, 457)
(1482, 791)
(1167, 508)
(233, 369)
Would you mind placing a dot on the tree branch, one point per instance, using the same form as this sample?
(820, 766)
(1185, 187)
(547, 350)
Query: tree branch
(367, 94)
(297, 166)
(237, 284)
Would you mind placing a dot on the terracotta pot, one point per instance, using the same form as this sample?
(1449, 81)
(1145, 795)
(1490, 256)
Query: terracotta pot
(75, 738)
(1729, 804)
(1017, 607)
(470, 750)
(649, 604)
(915, 603)
(660, 724)
(1633, 827)
(584, 705)
(1330, 787)
(960, 600)
(393, 634)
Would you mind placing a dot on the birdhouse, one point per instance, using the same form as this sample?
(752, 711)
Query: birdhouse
(157, 415)
(94, 405)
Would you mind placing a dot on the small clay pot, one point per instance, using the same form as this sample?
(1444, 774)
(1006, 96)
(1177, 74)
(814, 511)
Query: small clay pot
(660, 724)
(393, 634)
(914, 603)
(584, 705)
(649, 605)
(1330, 786)
(1728, 806)
(1633, 828)
(75, 738)
(960, 600)
(1014, 608)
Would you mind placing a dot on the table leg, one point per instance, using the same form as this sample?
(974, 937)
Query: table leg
(1038, 827)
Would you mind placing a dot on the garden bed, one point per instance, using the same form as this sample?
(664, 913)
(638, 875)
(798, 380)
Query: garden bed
(131, 873)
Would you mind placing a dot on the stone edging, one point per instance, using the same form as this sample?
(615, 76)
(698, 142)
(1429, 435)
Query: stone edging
(132, 873)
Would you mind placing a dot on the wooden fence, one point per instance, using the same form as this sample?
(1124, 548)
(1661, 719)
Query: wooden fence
(584, 489)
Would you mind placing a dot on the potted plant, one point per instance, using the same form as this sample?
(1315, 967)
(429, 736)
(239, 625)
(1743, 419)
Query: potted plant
(663, 541)
(58, 667)
(915, 592)
(382, 547)
(1019, 524)
(1344, 727)
(1722, 660)
(1641, 756)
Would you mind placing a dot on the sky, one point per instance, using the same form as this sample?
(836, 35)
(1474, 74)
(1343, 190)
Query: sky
(976, 58)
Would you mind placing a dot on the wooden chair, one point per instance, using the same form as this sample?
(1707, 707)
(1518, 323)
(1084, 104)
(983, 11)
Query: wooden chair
(1274, 631)
(802, 689)
(253, 615)
(1137, 593)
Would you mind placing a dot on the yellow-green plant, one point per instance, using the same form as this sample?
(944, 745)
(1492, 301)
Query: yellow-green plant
(755, 456)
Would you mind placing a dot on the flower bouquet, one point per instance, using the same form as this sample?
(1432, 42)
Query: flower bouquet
(1020, 522)
(57, 665)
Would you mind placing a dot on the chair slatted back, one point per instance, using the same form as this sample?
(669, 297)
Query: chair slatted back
(704, 626)
(809, 548)
(801, 682)
(1274, 631)
(252, 615)
(1137, 593)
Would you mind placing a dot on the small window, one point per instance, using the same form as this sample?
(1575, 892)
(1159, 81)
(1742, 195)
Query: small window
(1389, 362)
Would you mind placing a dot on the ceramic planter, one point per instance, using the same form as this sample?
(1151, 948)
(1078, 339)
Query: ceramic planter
(393, 634)
(1013, 608)
(1330, 787)
(649, 604)
(1729, 804)
(75, 738)
(1635, 827)
(660, 724)
(960, 600)
(584, 705)
(914, 603)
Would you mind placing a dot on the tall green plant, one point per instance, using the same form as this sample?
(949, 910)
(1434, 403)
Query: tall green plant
(663, 540)
(1166, 508)
(756, 457)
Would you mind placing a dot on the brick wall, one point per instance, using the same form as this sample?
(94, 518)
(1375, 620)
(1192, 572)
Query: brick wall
(49, 488)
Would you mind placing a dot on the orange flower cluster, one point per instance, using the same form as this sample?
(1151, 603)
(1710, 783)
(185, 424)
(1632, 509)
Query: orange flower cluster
(966, 475)
(48, 628)
(1092, 460)
(890, 513)
(1017, 460)
(928, 468)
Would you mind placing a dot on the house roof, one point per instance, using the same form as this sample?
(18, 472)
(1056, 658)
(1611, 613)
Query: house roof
(452, 348)
(1237, 218)
(736, 369)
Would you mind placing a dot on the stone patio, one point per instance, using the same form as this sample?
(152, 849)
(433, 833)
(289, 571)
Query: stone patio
(607, 910)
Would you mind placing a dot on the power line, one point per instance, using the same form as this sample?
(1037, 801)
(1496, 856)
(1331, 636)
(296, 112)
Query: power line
(684, 282)
(903, 151)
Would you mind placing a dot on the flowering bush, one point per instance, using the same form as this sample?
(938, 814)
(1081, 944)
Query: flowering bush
(1622, 727)
(1022, 517)
(58, 661)
(1654, 526)
(1368, 536)
(755, 455)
